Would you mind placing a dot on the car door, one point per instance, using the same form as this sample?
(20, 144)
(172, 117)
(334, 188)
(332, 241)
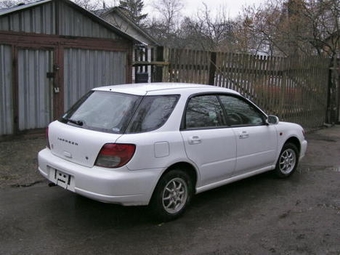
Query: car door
(209, 143)
(256, 140)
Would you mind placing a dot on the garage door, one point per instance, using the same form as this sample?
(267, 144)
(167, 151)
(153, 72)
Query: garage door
(86, 69)
(34, 88)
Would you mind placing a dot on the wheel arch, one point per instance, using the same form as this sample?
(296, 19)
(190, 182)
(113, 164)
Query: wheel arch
(294, 140)
(186, 167)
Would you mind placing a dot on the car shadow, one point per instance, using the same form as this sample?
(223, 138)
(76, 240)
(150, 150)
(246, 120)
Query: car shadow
(84, 213)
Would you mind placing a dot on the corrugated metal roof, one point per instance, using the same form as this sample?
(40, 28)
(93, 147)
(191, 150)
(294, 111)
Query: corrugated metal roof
(92, 16)
(22, 7)
(120, 12)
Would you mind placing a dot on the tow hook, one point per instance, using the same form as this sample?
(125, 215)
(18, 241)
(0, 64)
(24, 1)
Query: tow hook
(51, 184)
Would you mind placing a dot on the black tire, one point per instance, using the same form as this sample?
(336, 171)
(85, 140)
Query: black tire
(287, 161)
(171, 195)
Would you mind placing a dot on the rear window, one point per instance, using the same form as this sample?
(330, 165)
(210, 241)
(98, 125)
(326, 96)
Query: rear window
(120, 113)
(103, 111)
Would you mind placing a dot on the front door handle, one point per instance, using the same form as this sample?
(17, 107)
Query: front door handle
(244, 135)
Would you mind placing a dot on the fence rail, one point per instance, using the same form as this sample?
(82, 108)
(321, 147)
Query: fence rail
(295, 89)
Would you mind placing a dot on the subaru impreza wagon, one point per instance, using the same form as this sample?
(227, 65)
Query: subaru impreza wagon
(158, 144)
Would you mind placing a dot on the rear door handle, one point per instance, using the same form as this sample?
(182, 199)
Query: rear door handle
(194, 140)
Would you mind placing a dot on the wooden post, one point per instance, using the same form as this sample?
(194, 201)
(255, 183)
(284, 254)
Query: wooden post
(282, 112)
(212, 68)
(158, 77)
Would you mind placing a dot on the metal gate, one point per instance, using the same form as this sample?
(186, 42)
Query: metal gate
(6, 92)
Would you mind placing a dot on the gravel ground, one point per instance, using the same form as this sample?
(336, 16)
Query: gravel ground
(260, 215)
(18, 161)
(18, 156)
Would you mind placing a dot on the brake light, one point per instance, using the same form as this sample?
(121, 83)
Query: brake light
(115, 155)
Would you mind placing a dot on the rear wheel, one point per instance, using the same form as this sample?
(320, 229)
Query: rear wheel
(287, 161)
(172, 195)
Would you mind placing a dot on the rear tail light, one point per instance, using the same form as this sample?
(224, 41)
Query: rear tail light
(115, 155)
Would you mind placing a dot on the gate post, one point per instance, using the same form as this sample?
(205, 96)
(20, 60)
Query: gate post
(212, 68)
(158, 75)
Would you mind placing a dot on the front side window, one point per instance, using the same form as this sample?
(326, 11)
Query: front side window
(221, 110)
(240, 112)
(103, 111)
(203, 112)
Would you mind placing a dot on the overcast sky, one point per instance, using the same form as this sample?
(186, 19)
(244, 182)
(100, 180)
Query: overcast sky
(234, 7)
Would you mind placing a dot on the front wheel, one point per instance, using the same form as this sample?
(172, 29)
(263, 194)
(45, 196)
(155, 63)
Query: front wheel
(172, 195)
(287, 161)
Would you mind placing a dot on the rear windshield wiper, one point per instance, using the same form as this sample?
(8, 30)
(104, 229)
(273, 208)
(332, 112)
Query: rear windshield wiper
(76, 122)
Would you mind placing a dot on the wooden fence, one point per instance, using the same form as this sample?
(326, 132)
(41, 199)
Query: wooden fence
(295, 89)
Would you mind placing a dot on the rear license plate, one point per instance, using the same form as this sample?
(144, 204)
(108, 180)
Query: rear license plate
(64, 180)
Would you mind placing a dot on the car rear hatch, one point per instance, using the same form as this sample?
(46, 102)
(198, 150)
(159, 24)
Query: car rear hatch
(77, 145)
(98, 118)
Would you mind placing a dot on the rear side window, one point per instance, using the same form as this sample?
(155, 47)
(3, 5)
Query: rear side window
(103, 111)
(152, 113)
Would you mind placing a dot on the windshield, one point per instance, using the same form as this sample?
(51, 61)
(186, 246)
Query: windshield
(103, 111)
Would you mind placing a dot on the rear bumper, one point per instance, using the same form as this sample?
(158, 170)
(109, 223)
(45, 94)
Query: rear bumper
(119, 186)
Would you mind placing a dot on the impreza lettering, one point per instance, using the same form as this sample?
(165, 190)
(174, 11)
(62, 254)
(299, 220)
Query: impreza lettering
(67, 141)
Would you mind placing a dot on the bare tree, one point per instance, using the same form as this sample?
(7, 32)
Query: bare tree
(89, 4)
(205, 31)
(324, 17)
(170, 13)
(164, 24)
(291, 28)
(215, 29)
(262, 29)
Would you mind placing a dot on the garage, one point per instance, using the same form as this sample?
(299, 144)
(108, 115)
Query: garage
(51, 53)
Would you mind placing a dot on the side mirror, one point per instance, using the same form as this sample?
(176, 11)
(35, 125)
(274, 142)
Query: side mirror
(272, 120)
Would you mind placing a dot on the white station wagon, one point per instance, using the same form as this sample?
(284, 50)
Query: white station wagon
(158, 144)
